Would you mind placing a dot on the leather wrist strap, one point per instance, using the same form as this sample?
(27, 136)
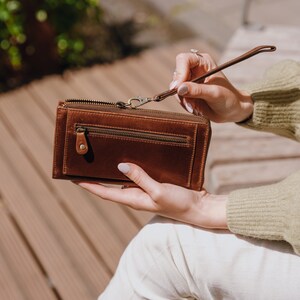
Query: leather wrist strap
(246, 55)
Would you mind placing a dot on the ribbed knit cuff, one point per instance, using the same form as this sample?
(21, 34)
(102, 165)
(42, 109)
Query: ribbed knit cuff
(277, 101)
(257, 212)
(268, 212)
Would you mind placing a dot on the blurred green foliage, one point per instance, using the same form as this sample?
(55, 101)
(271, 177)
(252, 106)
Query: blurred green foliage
(38, 37)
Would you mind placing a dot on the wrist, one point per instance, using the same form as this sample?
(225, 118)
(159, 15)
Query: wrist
(247, 106)
(211, 212)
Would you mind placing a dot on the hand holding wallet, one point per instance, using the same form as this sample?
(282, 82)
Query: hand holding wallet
(93, 137)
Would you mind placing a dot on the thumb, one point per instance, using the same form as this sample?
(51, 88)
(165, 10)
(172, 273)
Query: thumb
(139, 177)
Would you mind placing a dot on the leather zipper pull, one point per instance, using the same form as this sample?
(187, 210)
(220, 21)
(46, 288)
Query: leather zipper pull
(81, 142)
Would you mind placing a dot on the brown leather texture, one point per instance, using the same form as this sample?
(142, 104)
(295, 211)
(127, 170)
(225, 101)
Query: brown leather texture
(91, 140)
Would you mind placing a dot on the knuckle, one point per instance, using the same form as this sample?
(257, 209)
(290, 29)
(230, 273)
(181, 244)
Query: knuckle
(157, 194)
(198, 90)
(215, 92)
(136, 176)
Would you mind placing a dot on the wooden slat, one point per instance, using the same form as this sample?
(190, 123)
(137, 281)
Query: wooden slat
(28, 277)
(72, 267)
(48, 91)
(9, 288)
(227, 177)
(252, 149)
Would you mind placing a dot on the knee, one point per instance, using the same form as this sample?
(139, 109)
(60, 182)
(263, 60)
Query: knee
(158, 235)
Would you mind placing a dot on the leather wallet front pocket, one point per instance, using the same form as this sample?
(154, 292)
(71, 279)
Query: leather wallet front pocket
(96, 141)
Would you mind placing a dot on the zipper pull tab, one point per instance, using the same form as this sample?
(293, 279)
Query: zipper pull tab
(81, 142)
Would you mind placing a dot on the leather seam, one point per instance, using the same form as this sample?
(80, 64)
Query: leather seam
(192, 157)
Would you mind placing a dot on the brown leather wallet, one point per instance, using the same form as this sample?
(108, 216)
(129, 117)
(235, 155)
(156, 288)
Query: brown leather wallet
(93, 137)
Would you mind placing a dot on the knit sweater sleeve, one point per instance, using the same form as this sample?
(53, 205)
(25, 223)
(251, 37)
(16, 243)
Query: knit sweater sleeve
(272, 212)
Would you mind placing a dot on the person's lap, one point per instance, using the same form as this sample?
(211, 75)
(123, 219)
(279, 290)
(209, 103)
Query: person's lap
(170, 260)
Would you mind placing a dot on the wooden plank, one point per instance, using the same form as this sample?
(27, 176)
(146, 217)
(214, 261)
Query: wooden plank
(94, 87)
(9, 288)
(244, 149)
(70, 263)
(227, 177)
(30, 282)
(48, 91)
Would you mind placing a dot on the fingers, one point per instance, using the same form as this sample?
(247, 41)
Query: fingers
(189, 66)
(143, 198)
(133, 197)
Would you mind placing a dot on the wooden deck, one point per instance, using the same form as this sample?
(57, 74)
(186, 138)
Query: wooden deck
(59, 242)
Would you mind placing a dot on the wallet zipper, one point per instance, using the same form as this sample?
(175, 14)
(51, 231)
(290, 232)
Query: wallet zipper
(82, 131)
(118, 104)
(93, 104)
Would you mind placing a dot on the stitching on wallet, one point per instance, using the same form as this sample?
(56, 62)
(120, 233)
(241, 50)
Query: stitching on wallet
(134, 117)
(65, 168)
(205, 145)
(133, 129)
(192, 156)
(56, 140)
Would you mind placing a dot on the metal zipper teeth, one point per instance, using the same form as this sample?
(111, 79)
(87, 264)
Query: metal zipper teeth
(91, 102)
(114, 104)
(133, 134)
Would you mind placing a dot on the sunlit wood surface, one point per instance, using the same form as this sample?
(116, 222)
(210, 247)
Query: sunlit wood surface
(59, 242)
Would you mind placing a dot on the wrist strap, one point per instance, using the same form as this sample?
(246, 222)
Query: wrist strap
(246, 55)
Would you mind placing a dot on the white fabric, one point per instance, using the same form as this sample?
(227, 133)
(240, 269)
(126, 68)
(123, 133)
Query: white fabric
(170, 260)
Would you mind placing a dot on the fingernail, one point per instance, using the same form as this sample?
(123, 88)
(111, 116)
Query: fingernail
(124, 168)
(188, 107)
(183, 89)
(173, 84)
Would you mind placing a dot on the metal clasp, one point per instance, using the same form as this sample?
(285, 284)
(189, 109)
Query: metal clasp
(141, 101)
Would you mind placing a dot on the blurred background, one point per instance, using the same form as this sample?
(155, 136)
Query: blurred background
(50, 36)
(58, 242)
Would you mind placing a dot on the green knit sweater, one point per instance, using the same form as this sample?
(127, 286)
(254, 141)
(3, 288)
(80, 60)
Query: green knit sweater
(272, 212)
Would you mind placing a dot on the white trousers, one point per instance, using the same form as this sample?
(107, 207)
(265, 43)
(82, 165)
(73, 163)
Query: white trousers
(170, 260)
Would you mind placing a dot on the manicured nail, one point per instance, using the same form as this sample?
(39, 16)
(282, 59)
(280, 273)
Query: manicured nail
(188, 107)
(182, 90)
(124, 168)
(173, 84)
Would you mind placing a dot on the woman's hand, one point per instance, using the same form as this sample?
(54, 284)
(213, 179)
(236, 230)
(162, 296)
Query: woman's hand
(198, 208)
(216, 98)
